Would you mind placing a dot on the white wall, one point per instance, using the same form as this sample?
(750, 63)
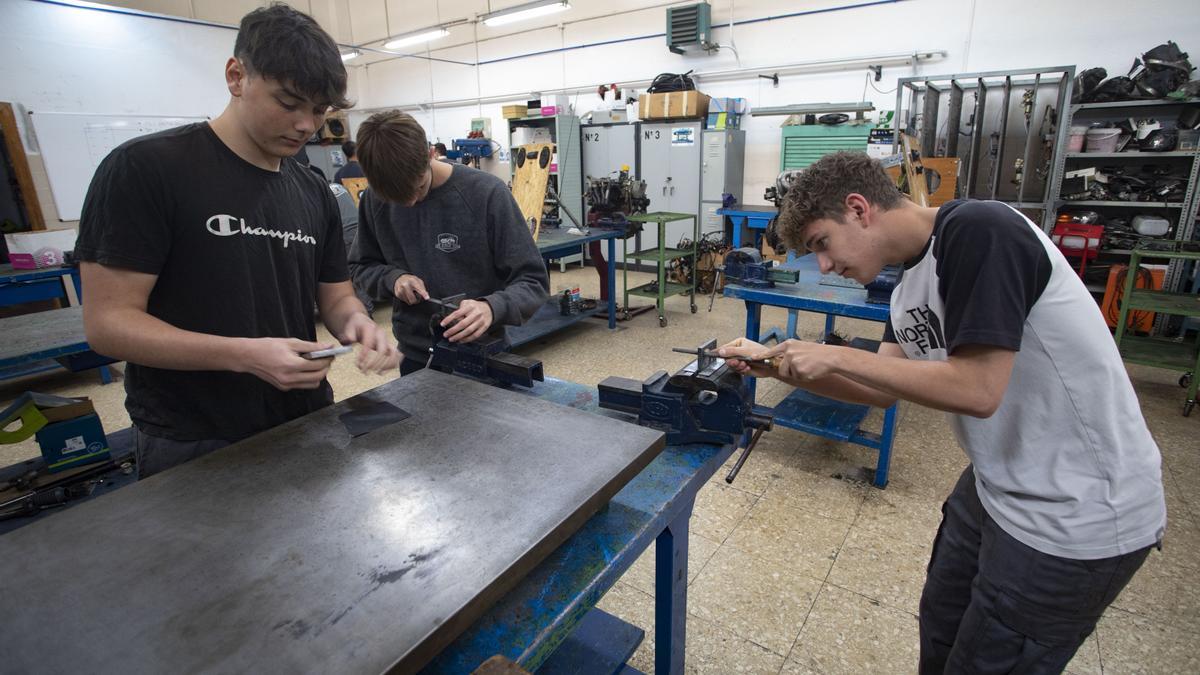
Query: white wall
(978, 36)
(66, 59)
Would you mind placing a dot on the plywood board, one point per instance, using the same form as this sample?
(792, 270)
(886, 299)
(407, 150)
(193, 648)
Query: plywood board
(530, 176)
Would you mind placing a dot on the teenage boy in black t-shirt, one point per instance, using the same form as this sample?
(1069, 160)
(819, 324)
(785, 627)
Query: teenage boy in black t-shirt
(205, 249)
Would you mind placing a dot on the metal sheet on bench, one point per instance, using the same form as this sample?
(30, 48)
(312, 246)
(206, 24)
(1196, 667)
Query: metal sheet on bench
(301, 549)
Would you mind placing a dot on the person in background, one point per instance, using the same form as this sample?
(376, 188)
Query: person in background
(439, 152)
(352, 169)
(203, 275)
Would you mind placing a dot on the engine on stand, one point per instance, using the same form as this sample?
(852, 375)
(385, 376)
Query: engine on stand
(610, 201)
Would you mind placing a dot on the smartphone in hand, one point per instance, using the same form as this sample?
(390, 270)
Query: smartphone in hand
(327, 353)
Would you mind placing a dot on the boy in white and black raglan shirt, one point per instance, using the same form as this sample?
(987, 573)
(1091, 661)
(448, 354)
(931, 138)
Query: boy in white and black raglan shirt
(1063, 498)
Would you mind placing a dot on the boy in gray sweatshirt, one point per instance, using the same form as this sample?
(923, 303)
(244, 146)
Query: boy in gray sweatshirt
(433, 229)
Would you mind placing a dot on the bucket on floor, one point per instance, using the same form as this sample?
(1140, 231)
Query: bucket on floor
(1075, 139)
(1102, 140)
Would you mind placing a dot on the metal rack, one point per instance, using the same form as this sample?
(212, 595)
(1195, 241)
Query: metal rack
(661, 288)
(1185, 210)
(938, 126)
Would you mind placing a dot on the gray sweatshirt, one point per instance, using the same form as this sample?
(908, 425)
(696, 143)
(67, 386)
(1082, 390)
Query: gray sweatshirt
(466, 236)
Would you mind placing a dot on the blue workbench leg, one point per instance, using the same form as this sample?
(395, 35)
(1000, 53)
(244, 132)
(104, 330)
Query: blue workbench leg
(791, 324)
(105, 375)
(753, 327)
(612, 282)
(737, 230)
(670, 595)
(885, 446)
(830, 320)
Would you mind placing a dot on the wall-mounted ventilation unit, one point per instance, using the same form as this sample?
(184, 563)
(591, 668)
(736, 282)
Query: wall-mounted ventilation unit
(690, 28)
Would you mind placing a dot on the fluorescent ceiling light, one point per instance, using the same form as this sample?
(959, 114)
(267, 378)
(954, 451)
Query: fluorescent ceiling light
(427, 35)
(528, 10)
(352, 54)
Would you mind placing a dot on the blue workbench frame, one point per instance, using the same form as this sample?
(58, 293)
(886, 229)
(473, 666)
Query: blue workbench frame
(22, 286)
(802, 410)
(540, 613)
(749, 217)
(557, 244)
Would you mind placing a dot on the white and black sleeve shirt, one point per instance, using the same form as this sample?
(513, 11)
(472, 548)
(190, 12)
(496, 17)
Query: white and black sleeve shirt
(1066, 465)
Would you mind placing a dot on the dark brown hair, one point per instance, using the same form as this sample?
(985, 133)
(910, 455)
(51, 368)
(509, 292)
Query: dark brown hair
(820, 192)
(393, 153)
(288, 46)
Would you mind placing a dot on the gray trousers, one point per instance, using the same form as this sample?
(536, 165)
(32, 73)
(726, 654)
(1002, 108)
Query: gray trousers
(156, 454)
(994, 605)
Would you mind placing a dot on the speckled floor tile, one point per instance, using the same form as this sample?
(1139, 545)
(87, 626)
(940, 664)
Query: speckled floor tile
(795, 540)
(719, 508)
(770, 460)
(714, 649)
(1133, 645)
(1182, 541)
(820, 494)
(753, 598)
(899, 514)
(881, 568)
(1087, 658)
(1164, 590)
(847, 633)
(641, 574)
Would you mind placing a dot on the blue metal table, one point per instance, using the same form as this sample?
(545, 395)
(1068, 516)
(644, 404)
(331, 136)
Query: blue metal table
(50, 283)
(34, 343)
(556, 244)
(548, 621)
(803, 410)
(752, 217)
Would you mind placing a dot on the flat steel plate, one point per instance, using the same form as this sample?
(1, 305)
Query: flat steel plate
(301, 549)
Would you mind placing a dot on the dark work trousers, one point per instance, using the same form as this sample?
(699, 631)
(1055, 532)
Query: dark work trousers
(154, 454)
(409, 366)
(994, 605)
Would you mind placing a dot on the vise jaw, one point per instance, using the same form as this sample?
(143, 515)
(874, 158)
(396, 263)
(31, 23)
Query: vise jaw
(484, 359)
(704, 402)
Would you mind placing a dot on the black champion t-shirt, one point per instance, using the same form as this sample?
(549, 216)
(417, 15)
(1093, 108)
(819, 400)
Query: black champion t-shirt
(238, 251)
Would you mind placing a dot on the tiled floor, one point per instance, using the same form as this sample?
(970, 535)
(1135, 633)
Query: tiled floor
(795, 571)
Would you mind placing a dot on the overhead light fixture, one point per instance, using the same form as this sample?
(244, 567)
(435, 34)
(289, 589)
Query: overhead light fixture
(528, 10)
(352, 54)
(417, 37)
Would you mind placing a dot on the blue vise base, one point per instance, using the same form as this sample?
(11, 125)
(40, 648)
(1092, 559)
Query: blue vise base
(716, 412)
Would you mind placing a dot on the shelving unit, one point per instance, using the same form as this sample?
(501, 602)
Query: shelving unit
(1185, 163)
(660, 288)
(567, 178)
(1158, 352)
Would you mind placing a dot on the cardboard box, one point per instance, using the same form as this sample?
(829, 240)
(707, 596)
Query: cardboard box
(720, 120)
(513, 112)
(67, 429)
(35, 250)
(673, 105)
(728, 105)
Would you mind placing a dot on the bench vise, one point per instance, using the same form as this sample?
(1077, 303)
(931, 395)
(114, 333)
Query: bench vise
(745, 267)
(879, 292)
(705, 402)
(484, 359)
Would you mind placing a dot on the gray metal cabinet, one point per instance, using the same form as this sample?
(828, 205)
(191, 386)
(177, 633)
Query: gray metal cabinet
(670, 164)
(721, 169)
(608, 147)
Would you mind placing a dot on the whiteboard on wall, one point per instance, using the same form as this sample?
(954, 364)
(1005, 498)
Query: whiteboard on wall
(73, 144)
